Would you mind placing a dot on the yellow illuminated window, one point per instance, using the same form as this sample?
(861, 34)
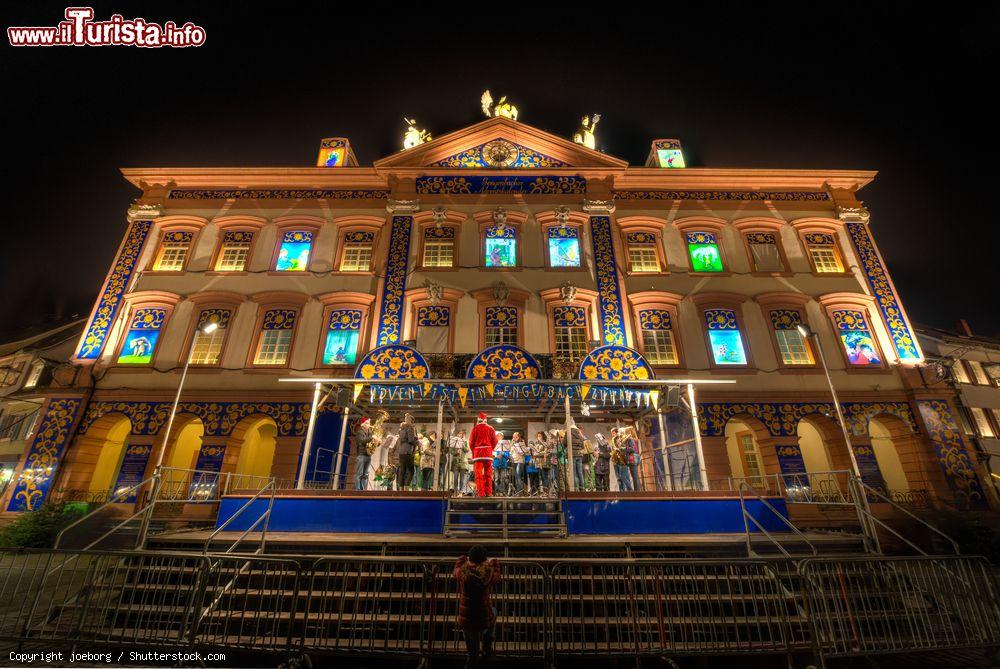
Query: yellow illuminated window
(643, 258)
(826, 259)
(978, 373)
(439, 253)
(171, 257)
(982, 422)
(794, 350)
(501, 335)
(752, 466)
(273, 347)
(571, 341)
(959, 373)
(357, 257)
(658, 347)
(206, 348)
(233, 257)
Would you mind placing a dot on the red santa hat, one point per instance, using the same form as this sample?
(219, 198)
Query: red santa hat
(482, 415)
(364, 420)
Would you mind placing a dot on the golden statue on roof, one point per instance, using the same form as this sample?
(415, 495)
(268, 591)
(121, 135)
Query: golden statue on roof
(501, 108)
(414, 136)
(585, 135)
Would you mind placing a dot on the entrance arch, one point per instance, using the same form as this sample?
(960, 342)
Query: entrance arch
(182, 451)
(93, 464)
(251, 446)
(884, 431)
(813, 443)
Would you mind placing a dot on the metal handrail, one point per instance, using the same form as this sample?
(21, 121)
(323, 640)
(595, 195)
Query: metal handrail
(113, 500)
(746, 516)
(246, 505)
(863, 488)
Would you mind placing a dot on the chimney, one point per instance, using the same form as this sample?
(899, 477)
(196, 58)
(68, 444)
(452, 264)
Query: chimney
(963, 328)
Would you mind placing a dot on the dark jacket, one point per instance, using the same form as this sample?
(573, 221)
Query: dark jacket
(407, 443)
(476, 581)
(363, 437)
(602, 466)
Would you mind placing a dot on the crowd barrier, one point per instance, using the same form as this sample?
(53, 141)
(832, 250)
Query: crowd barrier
(396, 606)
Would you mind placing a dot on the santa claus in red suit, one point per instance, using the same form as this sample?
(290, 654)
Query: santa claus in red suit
(481, 442)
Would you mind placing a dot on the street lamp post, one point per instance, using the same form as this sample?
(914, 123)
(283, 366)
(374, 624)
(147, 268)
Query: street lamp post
(807, 333)
(207, 329)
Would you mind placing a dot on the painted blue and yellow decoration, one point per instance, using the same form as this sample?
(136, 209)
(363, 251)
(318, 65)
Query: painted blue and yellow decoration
(954, 459)
(889, 304)
(44, 454)
(390, 318)
(724, 337)
(500, 154)
(114, 289)
(859, 345)
(343, 331)
(609, 294)
(569, 317)
(564, 246)
(143, 333)
(616, 363)
(293, 254)
(501, 317)
(500, 363)
(393, 362)
(433, 316)
(501, 185)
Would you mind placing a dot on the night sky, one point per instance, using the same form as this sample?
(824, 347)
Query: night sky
(890, 89)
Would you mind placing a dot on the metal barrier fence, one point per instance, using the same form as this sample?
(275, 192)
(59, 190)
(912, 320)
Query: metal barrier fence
(571, 608)
(862, 606)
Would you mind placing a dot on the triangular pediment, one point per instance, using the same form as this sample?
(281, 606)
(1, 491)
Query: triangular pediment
(500, 143)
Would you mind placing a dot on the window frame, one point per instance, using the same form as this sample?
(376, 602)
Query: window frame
(236, 223)
(708, 224)
(806, 226)
(268, 302)
(987, 419)
(749, 226)
(515, 298)
(756, 453)
(420, 297)
(287, 224)
(658, 300)
(575, 220)
(425, 221)
(866, 310)
(794, 302)
(206, 301)
(732, 302)
(643, 225)
(134, 302)
(584, 298)
(345, 300)
(976, 373)
(515, 220)
(175, 224)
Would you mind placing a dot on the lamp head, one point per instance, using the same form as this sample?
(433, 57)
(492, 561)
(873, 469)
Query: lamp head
(210, 327)
(804, 330)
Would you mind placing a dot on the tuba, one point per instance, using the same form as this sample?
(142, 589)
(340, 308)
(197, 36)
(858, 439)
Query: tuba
(377, 432)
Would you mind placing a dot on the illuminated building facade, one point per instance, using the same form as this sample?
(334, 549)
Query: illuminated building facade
(497, 234)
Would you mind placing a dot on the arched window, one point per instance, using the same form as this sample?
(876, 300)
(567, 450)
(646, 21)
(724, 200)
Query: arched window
(724, 333)
(703, 241)
(146, 318)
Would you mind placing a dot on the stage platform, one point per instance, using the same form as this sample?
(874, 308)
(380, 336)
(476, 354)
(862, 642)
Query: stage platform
(425, 513)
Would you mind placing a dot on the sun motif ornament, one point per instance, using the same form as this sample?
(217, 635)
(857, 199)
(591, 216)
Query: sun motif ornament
(616, 363)
(504, 362)
(393, 362)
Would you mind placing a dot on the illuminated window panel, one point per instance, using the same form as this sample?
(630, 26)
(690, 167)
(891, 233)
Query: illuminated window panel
(724, 337)
(752, 465)
(234, 252)
(141, 337)
(643, 258)
(703, 251)
(501, 335)
(856, 337)
(357, 258)
(658, 347)
(342, 336)
(439, 253)
(564, 247)
(823, 253)
(982, 423)
(571, 342)
(293, 254)
(207, 348)
(959, 374)
(172, 255)
(501, 247)
(794, 350)
(273, 347)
